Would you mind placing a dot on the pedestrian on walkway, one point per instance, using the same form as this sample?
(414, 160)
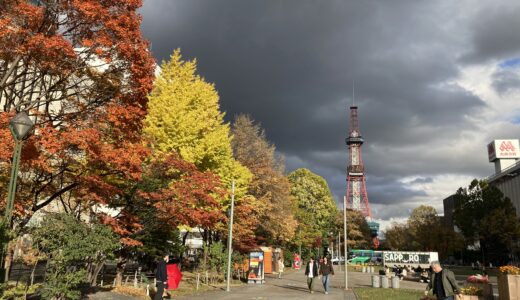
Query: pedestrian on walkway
(280, 267)
(326, 270)
(311, 272)
(161, 277)
(442, 282)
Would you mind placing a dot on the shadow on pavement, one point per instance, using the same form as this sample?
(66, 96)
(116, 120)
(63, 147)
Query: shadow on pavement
(291, 287)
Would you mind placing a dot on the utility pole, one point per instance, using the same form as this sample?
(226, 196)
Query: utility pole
(300, 238)
(345, 239)
(230, 236)
(339, 250)
(332, 245)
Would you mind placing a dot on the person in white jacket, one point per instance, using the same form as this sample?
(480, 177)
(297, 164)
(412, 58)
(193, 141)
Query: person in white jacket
(280, 268)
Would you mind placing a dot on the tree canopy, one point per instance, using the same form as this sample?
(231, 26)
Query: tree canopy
(82, 71)
(315, 207)
(184, 117)
(484, 214)
(73, 248)
(269, 185)
(358, 232)
(423, 231)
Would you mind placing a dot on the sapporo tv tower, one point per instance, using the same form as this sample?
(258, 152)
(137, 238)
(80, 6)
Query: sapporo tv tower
(356, 196)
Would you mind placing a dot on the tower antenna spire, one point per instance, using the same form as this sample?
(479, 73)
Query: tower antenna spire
(353, 94)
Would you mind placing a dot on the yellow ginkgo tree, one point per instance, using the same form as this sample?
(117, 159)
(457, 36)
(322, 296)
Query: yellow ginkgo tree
(184, 116)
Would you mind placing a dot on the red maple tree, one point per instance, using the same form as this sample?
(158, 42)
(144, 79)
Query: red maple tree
(82, 71)
(189, 196)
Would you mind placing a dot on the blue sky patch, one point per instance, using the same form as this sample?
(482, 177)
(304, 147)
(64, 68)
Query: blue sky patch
(510, 63)
(516, 120)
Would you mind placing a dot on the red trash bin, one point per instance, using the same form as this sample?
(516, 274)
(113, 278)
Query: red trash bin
(297, 262)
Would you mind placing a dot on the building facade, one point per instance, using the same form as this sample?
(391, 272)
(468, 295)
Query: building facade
(508, 182)
(449, 208)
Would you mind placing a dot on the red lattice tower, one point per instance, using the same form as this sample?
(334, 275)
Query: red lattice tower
(357, 198)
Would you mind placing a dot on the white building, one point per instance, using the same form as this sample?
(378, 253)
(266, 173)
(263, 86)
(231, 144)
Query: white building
(194, 242)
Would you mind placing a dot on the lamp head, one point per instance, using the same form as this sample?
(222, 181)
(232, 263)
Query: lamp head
(21, 125)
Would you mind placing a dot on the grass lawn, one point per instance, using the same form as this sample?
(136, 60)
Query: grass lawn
(387, 294)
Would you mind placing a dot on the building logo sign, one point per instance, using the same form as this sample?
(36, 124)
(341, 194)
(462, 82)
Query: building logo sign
(503, 149)
(507, 146)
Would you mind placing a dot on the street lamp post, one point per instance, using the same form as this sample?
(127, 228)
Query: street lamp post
(230, 236)
(20, 126)
(345, 239)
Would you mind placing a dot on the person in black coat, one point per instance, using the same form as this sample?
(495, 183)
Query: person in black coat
(326, 269)
(311, 272)
(161, 277)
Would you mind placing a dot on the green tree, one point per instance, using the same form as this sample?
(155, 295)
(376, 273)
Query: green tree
(424, 231)
(484, 214)
(269, 185)
(157, 238)
(420, 223)
(315, 207)
(217, 257)
(73, 248)
(397, 237)
(358, 232)
(428, 233)
(420, 216)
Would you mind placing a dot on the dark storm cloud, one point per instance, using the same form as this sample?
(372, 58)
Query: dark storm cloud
(495, 34)
(380, 190)
(386, 190)
(291, 63)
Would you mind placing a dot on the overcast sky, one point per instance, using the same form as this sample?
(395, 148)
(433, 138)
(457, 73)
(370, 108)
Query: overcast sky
(435, 81)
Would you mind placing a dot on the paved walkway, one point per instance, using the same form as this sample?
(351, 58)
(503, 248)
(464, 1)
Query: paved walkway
(111, 296)
(292, 286)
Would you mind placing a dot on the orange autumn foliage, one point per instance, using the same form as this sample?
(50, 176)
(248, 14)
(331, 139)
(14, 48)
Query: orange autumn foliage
(189, 196)
(82, 71)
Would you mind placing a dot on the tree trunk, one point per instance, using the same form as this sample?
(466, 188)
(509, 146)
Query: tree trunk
(93, 268)
(33, 271)
(89, 271)
(8, 262)
(483, 250)
(120, 269)
(205, 247)
(97, 269)
(30, 280)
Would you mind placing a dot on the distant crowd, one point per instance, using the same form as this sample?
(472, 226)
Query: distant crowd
(404, 271)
